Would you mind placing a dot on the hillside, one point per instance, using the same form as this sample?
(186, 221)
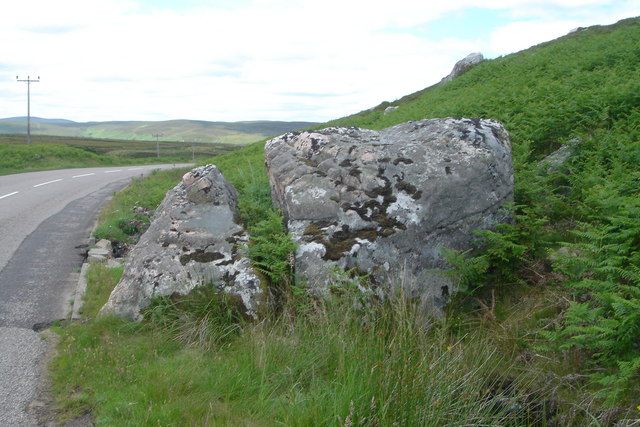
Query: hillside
(170, 130)
(577, 226)
(545, 95)
(546, 330)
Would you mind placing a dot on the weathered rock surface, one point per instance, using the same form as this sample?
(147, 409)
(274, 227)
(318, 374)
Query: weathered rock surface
(464, 65)
(98, 254)
(385, 202)
(192, 241)
(104, 244)
(101, 252)
(558, 158)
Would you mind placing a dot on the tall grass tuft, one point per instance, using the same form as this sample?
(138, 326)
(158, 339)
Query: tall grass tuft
(344, 360)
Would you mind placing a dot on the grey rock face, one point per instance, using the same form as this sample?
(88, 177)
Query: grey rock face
(385, 202)
(98, 254)
(104, 244)
(101, 252)
(463, 65)
(558, 158)
(192, 241)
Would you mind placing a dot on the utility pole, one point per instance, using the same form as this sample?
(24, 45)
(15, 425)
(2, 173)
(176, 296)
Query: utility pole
(28, 81)
(157, 135)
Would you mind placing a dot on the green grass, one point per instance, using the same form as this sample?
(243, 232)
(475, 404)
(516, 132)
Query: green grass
(318, 362)
(100, 282)
(315, 363)
(118, 219)
(544, 95)
(23, 158)
(51, 152)
(170, 130)
(318, 365)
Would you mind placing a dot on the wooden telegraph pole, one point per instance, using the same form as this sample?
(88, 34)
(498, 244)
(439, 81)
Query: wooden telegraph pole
(157, 136)
(28, 81)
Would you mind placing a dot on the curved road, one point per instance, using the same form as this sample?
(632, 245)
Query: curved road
(44, 216)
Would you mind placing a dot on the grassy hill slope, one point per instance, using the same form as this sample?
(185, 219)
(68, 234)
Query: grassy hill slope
(578, 225)
(544, 95)
(170, 130)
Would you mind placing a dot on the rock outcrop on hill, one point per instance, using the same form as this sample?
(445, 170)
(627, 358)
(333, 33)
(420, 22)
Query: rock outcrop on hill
(192, 241)
(385, 202)
(464, 65)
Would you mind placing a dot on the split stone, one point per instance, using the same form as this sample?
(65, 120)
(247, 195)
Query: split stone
(193, 241)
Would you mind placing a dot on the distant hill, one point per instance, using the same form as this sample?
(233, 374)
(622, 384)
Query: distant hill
(170, 130)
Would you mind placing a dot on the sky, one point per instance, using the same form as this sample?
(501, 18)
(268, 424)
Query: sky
(236, 60)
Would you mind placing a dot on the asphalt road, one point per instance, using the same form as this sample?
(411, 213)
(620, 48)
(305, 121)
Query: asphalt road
(44, 216)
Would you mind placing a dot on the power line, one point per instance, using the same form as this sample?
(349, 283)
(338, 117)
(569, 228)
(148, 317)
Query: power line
(28, 81)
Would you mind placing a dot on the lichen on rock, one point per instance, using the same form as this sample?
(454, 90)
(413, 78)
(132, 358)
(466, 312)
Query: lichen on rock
(192, 241)
(385, 202)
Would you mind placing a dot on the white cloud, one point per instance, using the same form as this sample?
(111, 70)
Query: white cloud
(520, 35)
(243, 60)
(548, 20)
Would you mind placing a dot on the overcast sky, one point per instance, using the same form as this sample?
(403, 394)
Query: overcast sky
(235, 60)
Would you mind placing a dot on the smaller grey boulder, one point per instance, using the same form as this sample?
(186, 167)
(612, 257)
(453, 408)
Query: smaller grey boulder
(390, 109)
(192, 241)
(104, 244)
(98, 254)
(557, 159)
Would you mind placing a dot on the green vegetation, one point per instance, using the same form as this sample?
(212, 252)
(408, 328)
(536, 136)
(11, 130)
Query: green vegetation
(119, 221)
(25, 158)
(545, 332)
(100, 282)
(52, 152)
(169, 130)
(544, 95)
(585, 85)
(195, 362)
(270, 243)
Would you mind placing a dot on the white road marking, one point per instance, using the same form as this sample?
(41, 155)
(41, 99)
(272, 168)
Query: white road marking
(48, 182)
(10, 194)
(117, 170)
(134, 169)
(84, 174)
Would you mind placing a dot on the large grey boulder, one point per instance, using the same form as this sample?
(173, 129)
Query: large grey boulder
(386, 202)
(192, 241)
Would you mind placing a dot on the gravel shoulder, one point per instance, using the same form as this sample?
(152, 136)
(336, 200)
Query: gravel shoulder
(23, 352)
